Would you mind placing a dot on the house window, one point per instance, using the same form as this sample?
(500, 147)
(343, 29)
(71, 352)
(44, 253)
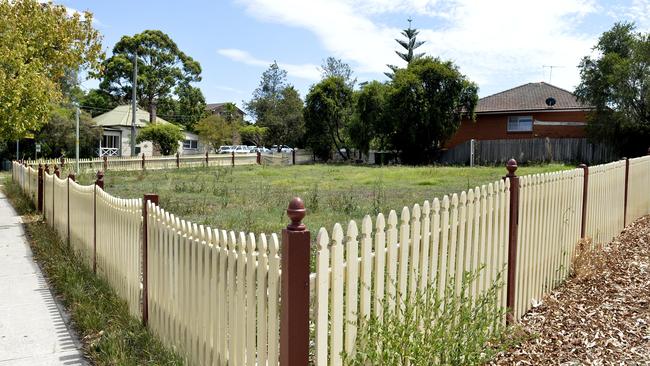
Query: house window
(520, 124)
(110, 141)
(190, 144)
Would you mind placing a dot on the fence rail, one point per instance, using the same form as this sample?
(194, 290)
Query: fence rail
(177, 161)
(220, 297)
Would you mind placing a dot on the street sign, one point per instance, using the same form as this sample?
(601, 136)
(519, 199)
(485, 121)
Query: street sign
(38, 148)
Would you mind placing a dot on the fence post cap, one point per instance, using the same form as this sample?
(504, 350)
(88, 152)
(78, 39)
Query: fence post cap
(296, 212)
(100, 174)
(105, 157)
(56, 168)
(511, 166)
(71, 176)
(40, 166)
(583, 166)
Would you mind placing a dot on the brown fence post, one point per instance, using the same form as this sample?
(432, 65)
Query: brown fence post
(142, 161)
(206, 158)
(57, 172)
(293, 156)
(99, 182)
(259, 158)
(178, 159)
(145, 250)
(585, 191)
(47, 168)
(39, 200)
(294, 320)
(62, 160)
(233, 158)
(105, 163)
(70, 177)
(512, 242)
(627, 175)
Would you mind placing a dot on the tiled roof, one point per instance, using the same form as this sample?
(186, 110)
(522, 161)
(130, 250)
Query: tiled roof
(529, 97)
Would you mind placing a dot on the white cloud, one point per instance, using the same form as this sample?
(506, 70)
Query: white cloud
(303, 71)
(491, 41)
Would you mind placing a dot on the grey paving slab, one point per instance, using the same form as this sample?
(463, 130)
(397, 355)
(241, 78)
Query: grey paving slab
(33, 329)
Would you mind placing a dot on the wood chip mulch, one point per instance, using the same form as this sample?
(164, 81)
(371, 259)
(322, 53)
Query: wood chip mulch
(600, 315)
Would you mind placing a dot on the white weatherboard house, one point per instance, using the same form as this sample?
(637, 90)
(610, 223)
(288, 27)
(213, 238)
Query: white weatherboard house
(116, 135)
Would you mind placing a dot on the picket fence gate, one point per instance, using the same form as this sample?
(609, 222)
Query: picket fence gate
(223, 297)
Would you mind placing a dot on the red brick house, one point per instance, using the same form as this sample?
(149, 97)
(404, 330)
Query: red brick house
(533, 110)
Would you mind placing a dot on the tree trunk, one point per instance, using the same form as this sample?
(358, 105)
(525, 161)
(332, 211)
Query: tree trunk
(153, 107)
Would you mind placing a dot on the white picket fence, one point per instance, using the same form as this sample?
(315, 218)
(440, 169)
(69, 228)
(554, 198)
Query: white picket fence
(214, 295)
(170, 162)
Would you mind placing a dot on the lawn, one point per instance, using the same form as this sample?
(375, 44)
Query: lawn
(254, 198)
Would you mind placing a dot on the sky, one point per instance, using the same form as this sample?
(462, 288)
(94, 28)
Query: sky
(499, 44)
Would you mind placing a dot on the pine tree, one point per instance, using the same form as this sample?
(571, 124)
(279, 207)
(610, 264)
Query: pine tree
(410, 44)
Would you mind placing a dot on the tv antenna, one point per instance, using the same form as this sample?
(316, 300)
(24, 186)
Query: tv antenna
(550, 74)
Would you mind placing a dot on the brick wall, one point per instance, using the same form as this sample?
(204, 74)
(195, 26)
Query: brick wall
(494, 127)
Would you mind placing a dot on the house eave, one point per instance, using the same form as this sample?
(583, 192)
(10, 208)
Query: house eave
(535, 110)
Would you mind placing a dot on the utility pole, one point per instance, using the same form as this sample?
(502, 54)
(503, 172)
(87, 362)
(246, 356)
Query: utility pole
(133, 101)
(76, 143)
(18, 149)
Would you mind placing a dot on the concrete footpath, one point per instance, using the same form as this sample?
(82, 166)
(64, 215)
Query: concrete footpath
(33, 330)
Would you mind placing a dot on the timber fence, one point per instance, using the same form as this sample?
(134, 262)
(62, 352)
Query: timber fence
(175, 161)
(223, 297)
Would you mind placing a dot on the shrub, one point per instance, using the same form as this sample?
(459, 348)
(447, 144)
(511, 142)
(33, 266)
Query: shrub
(433, 329)
(165, 137)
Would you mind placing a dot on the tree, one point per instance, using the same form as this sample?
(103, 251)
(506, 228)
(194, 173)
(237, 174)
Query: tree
(162, 67)
(368, 122)
(292, 129)
(191, 105)
(42, 45)
(410, 44)
(254, 134)
(165, 137)
(58, 135)
(216, 130)
(186, 110)
(425, 105)
(277, 106)
(336, 67)
(615, 83)
(97, 101)
(328, 109)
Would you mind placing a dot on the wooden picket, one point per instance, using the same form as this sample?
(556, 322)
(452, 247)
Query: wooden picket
(429, 245)
(214, 294)
(638, 200)
(82, 226)
(119, 229)
(549, 230)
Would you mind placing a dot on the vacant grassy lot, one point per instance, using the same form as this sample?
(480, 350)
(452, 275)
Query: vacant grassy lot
(255, 198)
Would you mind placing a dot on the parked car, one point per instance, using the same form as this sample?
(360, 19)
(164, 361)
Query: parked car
(264, 150)
(283, 148)
(241, 149)
(252, 149)
(225, 149)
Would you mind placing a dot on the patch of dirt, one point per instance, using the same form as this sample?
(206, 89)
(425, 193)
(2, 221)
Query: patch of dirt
(599, 316)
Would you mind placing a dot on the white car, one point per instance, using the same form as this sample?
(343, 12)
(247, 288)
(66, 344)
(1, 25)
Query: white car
(241, 149)
(225, 149)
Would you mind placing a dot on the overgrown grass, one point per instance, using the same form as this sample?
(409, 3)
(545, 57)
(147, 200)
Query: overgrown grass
(254, 198)
(434, 328)
(110, 336)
